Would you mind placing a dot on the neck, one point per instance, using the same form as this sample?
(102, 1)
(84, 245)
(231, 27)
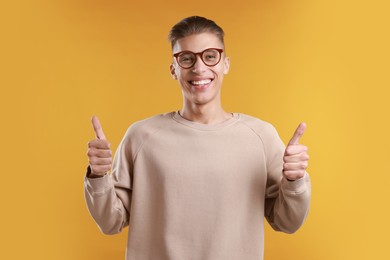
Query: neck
(205, 114)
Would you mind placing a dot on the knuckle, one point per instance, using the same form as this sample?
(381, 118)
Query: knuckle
(288, 174)
(100, 169)
(102, 153)
(94, 169)
(92, 143)
(89, 153)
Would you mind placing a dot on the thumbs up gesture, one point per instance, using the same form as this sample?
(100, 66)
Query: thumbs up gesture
(99, 152)
(295, 156)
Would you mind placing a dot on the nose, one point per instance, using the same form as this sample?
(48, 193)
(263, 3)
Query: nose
(199, 66)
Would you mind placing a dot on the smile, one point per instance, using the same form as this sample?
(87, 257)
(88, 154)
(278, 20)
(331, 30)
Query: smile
(200, 84)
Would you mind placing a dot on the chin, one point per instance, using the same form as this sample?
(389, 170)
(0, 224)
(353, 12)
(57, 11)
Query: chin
(196, 97)
(203, 100)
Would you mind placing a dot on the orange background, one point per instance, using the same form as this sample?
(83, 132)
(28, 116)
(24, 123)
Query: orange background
(323, 62)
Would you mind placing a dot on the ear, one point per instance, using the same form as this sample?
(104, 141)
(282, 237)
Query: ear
(226, 64)
(172, 69)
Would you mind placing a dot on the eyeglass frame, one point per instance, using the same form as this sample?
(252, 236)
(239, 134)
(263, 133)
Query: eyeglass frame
(176, 55)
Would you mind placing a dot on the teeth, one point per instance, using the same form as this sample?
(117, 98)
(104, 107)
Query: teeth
(201, 82)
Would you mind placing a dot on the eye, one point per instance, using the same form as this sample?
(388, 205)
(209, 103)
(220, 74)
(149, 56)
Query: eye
(186, 58)
(211, 55)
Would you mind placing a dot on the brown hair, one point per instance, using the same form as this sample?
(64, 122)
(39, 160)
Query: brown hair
(194, 25)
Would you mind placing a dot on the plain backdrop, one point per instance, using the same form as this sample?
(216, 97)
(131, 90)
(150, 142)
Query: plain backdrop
(322, 62)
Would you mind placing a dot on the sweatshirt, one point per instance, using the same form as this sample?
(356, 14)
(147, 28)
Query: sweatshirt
(192, 191)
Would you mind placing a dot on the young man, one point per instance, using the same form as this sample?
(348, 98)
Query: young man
(197, 183)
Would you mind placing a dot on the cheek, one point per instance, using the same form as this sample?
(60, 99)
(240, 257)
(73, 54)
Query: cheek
(179, 73)
(219, 73)
(183, 83)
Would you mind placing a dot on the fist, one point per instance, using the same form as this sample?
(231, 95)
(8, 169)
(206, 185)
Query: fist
(99, 151)
(295, 156)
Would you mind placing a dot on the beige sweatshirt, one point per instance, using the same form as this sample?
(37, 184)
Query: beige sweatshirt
(191, 191)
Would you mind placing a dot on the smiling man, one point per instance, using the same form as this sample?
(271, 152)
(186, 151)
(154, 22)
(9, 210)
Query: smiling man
(197, 183)
(199, 66)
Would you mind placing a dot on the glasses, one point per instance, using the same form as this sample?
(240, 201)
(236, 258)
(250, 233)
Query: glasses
(187, 59)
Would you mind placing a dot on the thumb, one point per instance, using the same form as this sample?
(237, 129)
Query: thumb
(97, 127)
(298, 134)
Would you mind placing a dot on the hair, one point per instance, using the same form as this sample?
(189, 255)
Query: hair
(194, 25)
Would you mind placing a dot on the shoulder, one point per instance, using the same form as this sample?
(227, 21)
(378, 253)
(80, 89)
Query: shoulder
(147, 126)
(140, 131)
(267, 133)
(258, 126)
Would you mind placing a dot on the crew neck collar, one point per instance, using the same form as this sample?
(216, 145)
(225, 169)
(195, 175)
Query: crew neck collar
(205, 127)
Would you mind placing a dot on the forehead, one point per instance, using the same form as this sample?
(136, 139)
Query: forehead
(197, 42)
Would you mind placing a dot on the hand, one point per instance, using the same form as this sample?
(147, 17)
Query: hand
(99, 152)
(295, 156)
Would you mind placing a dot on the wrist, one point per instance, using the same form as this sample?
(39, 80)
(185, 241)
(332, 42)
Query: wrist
(92, 175)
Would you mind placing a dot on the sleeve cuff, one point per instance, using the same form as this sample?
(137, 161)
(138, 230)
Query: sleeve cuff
(97, 186)
(298, 186)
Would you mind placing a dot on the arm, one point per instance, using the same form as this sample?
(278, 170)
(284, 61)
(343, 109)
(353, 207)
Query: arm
(286, 202)
(108, 196)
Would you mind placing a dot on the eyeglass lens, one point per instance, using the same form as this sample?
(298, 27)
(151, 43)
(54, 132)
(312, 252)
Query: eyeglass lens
(209, 57)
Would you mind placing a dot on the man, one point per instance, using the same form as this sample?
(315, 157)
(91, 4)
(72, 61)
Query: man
(197, 183)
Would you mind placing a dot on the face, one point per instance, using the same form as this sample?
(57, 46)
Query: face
(200, 84)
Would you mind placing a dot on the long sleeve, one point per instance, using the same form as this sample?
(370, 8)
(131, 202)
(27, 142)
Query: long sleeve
(109, 198)
(196, 191)
(286, 202)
